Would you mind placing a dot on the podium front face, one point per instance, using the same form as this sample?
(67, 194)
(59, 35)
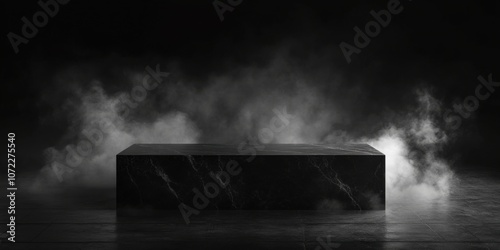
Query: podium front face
(271, 177)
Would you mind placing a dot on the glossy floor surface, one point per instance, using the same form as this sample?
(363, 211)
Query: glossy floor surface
(469, 218)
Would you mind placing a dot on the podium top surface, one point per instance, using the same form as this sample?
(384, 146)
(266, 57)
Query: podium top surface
(247, 149)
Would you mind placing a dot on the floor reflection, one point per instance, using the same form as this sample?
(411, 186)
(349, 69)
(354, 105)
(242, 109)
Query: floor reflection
(468, 218)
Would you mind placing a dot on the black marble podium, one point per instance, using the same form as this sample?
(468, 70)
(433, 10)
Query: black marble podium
(267, 177)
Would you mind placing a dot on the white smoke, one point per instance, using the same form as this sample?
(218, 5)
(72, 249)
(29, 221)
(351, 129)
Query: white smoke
(97, 114)
(411, 144)
(405, 179)
(414, 169)
(229, 108)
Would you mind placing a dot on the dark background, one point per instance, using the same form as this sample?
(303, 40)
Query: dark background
(442, 45)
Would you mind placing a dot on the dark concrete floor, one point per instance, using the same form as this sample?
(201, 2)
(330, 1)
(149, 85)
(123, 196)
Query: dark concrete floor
(468, 219)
